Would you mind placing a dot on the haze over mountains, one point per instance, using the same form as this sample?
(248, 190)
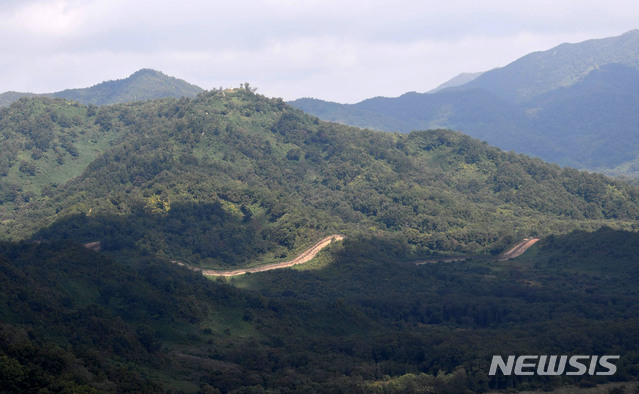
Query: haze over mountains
(575, 104)
(145, 84)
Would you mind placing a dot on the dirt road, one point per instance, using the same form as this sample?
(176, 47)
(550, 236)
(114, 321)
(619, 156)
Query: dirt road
(519, 249)
(302, 258)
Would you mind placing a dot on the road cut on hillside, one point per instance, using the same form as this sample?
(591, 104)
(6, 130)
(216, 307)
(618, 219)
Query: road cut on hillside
(304, 257)
(519, 249)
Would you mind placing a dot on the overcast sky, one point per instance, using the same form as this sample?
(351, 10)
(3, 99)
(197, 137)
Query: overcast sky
(342, 51)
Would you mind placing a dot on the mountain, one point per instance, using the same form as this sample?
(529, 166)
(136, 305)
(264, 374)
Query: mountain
(231, 178)
(559, 67)
(573, 105)
(142, 85)
(593, 123)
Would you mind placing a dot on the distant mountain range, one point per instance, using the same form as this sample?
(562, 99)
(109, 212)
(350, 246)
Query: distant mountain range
(145, 84)
(575, 104)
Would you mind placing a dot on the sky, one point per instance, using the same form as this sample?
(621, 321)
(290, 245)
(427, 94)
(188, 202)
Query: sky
(343, 51)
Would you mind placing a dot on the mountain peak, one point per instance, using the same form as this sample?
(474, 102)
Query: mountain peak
(144, 71)
(149, 72)
(144, 84)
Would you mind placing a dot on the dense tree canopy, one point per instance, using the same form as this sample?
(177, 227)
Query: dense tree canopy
(232, 177)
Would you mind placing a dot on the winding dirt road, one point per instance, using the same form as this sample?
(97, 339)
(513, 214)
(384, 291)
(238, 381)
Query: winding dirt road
(302, 258)
(311, 252)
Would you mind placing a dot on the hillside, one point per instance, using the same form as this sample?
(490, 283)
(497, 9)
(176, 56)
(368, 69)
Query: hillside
(232, 177)
(142, 85)
(572, 105)
(73, 320)
(592, 124)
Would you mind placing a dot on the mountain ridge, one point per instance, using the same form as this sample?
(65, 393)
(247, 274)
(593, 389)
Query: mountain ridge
(238, 175)
(560, 66)
(460, 79)
(144, 84)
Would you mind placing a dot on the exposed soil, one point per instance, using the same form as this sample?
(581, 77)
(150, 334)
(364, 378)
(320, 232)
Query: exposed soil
(302, 258)
(519, 249)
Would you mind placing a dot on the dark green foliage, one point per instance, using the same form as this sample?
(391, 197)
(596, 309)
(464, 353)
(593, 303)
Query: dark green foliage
(91, 322)
(231, 178)
(399, 319)
(603, 251)
(27, 168)
(28, 366)
(189, 231)
(369, 319)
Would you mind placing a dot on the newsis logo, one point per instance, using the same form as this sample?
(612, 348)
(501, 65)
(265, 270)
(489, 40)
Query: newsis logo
(553, 365)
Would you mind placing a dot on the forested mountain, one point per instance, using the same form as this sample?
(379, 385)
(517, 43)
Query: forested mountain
(142, 85)
(231, 178)
(201, 179)
(572, 105)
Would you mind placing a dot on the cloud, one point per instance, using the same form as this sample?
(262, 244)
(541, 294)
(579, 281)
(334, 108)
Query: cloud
(330, 49)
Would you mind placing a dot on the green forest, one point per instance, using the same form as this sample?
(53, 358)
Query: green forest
(361, 319)
(234, 179)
